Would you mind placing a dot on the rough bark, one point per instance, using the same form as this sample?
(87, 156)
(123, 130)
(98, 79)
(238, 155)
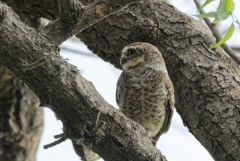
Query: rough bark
(206, 81)
(86, 117)
(21, 119)
(30, 11)
(75, 17)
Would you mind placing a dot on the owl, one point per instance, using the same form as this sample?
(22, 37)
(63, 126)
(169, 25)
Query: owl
(144, 91)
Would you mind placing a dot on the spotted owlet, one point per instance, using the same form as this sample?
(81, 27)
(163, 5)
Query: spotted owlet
(144, 90)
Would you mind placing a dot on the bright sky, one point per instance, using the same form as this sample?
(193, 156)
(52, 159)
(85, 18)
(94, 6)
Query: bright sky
(177, 145)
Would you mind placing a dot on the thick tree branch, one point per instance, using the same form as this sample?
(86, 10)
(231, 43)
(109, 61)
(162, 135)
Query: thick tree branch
(206, 81)
(30, 11)
(21, 119)
(75, 17)
(86, 117)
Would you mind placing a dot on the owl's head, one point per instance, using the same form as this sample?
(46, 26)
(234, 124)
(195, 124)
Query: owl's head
(139, 54)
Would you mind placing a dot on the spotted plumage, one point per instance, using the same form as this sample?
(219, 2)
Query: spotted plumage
(144, 90)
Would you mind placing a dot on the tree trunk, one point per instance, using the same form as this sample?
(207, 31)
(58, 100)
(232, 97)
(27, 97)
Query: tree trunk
(87, 118)
(21, 119)
(206, 81)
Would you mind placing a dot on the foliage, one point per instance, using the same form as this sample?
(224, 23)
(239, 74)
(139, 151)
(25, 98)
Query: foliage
(224, 10)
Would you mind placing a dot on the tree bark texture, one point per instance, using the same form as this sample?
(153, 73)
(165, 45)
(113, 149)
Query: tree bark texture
(206, 81)
(21, 119)
(30, 11)
(86, 117)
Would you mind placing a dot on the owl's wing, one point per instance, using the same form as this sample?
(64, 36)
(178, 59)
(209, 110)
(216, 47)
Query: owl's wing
(169, 108)
(120, 90)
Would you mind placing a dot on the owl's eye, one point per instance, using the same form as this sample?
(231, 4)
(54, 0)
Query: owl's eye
(131, 52)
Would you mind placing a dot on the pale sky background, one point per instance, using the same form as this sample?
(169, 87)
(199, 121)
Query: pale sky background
(177, 145)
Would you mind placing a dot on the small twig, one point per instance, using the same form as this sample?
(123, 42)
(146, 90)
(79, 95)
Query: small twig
(237, 49)
(33, 65)
(80, 27)
(216, 34)
(59, 136)
(82, 18)
(62, 139)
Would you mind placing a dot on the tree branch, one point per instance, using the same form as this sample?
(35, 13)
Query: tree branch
(76, 17)
(206, 81)
(59, 141)
(21, 119)
(73, 99)
(236, 49)
(217, 35)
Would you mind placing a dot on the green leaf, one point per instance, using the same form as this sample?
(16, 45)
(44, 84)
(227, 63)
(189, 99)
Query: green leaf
(224, 10)
(206, 3)
(225, 37)
(221, 6)
(229, 6)
(220, 17)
